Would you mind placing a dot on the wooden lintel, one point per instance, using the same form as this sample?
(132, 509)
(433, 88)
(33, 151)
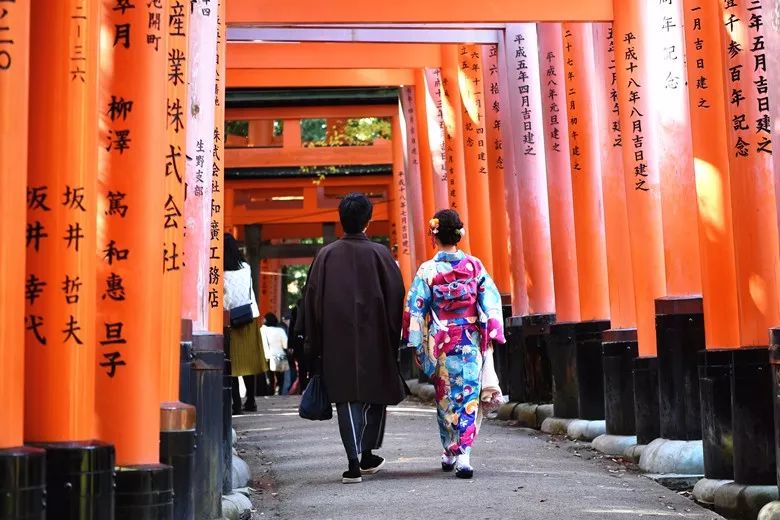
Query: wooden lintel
(318, 77)
(311, 156)
(324, 112)
(308, 55)
(259, 12)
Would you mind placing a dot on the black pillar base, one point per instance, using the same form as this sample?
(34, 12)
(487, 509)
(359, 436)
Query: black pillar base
(22, 483)
(680, 335)
(715, 392)
(774, 359)
(563, 362)
(79, 479)
(205, 393)
(646, 399)
(185, 359)
(619, 349)
(227, 416)
(144, 492)
(590, 372)
(177, 450)
(752, 409)
(536, 360)
(515, 360)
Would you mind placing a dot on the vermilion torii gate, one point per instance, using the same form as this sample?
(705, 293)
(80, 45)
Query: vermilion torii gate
(615, 156)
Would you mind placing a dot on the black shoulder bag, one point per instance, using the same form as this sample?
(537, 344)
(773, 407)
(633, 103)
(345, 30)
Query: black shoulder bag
(241, 315)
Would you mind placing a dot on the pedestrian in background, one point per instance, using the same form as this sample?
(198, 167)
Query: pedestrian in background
(246, 354)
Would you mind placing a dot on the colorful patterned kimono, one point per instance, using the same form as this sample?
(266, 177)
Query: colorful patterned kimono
(456, 301)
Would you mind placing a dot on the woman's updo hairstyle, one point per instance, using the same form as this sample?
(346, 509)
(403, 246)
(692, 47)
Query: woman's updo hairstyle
(450, 227)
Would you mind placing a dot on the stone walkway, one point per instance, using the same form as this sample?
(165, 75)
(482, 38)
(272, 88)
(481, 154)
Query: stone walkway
(520, 474)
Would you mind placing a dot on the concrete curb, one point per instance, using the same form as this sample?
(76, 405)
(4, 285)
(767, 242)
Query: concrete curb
(556, 425)
(704, 490)
(423, 391)
(741, 501)
(240, 473)
(528, 415)
(663, 456)
(506, 411)
(616, 445)
(582, 430)
(634, 453)
(771, 511)
(236, 506)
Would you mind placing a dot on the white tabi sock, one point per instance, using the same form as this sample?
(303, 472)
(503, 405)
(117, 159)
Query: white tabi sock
(464, 461)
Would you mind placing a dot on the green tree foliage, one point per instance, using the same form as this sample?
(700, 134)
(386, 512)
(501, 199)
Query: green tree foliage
(237, 128)
(357, 132)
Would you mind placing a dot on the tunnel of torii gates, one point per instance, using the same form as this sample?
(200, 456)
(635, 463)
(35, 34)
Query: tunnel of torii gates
(614, 167)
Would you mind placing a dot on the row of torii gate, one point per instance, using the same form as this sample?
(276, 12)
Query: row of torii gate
(613, 164)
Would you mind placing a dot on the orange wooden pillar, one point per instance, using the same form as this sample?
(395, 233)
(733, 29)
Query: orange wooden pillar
(585, 159)
(274, 286)
(132, 108)
(517, 268)
(266, 288)
(61, 224)
(453, 138)
(202, 57)
(674, 150)
(261, 132)
(216, 222)
(434, 109)
(618, 242)
(173, 221)
(499, 225)
(642, 176)
(400, 206)
(14, 81)
(559, 174)
(425, 149)
(529, 160)
(475, 152)
(711, 167)
(417, 216)
(753, 195)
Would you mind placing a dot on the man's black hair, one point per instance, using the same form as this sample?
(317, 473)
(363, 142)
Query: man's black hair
(355, 211)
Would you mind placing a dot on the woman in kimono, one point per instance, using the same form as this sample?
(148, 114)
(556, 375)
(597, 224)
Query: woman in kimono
(454, 299)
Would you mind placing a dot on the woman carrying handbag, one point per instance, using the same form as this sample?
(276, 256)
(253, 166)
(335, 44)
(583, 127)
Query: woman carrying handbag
(246, 354)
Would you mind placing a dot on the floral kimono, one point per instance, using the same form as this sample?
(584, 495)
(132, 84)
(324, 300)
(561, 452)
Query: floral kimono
(454, 298)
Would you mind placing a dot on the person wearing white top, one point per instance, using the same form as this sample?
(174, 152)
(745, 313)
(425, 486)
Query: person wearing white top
(274, 347)
(246, 355)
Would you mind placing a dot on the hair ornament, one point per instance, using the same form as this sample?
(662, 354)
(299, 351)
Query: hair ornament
(434, 223)
(462, 232)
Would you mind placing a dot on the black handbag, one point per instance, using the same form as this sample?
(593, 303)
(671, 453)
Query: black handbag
(241, 315)
(315, 404)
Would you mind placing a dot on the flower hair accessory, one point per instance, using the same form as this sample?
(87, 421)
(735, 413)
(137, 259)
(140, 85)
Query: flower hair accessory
(462, 232)
(434, 223)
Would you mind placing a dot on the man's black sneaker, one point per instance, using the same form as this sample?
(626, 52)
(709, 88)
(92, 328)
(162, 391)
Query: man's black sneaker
(250, 407)
(371, 464)
(351, 477)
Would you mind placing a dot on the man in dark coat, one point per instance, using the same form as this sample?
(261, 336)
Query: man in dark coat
(353, 306)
